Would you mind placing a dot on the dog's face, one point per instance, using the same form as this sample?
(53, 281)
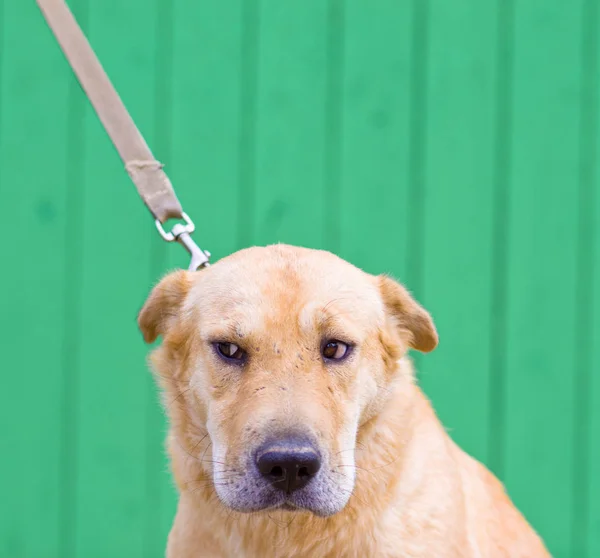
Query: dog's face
(279, 355)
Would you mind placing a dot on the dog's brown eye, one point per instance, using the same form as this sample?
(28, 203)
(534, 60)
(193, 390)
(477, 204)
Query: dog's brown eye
(230, 351)
(335, 350)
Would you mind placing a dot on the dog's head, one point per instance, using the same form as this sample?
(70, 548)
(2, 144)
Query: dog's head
(278, 355)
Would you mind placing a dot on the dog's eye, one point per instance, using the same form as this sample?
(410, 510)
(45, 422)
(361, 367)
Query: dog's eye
(230, 351)
(335, 350)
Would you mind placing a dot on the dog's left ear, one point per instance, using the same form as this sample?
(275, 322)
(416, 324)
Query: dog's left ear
(164, 304)
(408, 315)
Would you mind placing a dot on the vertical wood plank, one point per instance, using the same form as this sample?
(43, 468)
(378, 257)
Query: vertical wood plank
(502, 145)
(334, 109)
(203, 61)
(209, 64)
(111, 489)
(417, 153)
(589, 301)
(249, 73)
(33, 182)
(584, 441)
(2, 60)
(160, 500)
(593, 428)
(541, 342)
(291, 123)
(75, 143)
(458, 212)
(375, 124)
(199, 106)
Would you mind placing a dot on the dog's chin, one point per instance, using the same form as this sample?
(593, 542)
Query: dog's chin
(275, 501)
(284, 507)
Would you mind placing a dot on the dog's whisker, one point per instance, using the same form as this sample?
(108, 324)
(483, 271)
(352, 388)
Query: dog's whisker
(199, 488)
(377, 467)
(202, 460)
(275, 522)
(225, 476)
(229, 516)
(180, 395)
(351, 466)
(209, 462)
(370, 469)
(217, 476)
(350, 449)
(352, 493)
(196, 446)
(207, 447)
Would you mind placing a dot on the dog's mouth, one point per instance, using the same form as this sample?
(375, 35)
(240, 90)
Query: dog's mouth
(276, 501)
(322, 497)
(288, 474)
(284, 506)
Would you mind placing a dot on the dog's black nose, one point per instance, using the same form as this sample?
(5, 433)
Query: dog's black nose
(288, 464)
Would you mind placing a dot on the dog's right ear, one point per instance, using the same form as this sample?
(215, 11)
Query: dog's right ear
(408, 315)
(164, 304)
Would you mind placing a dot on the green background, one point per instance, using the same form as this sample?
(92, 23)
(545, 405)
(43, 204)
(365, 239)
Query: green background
(453, 143)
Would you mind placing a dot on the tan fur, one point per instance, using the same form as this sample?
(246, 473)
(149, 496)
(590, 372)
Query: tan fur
(402, 486)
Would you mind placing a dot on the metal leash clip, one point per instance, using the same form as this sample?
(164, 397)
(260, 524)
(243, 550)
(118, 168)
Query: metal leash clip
(181, 233)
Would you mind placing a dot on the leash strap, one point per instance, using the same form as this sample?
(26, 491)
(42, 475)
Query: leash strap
(145, 171)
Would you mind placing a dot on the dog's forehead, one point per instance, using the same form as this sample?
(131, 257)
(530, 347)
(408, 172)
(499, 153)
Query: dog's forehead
(284, 282)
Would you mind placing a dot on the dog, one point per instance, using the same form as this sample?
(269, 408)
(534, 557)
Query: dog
(296, 426)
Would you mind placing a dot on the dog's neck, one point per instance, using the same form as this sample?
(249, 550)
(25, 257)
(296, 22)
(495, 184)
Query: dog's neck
(385, 456)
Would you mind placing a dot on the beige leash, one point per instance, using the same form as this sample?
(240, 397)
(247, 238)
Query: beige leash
(146, 172)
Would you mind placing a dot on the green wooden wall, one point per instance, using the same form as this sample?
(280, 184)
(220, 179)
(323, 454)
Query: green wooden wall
(453, 143)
